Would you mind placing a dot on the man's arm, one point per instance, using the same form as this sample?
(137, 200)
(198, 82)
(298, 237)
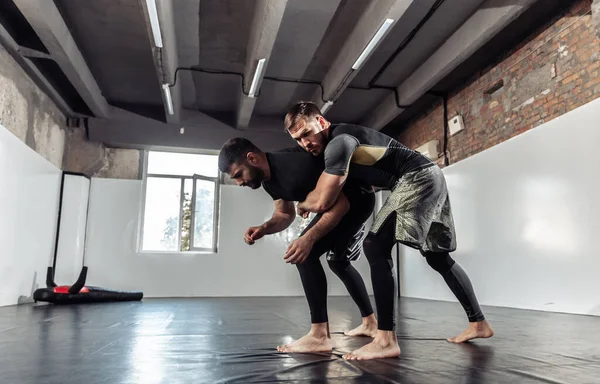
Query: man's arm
(329, 219)
(299, 250)
(283, 216)
(325, 194)
(338, 155)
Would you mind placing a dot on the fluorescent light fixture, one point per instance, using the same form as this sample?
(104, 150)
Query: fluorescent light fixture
(257, 76)
(381, 32)
(326, 107)
(154, 24)
(168, 100)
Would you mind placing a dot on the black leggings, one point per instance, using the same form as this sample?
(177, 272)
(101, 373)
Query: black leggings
(378, 249)
(311, 271)
(315, 286)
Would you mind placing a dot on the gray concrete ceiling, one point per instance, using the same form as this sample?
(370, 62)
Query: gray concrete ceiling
(113, 39)
(303, 40)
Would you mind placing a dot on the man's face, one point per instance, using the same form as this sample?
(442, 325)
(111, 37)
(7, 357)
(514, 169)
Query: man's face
(309, 134)
(246, 175)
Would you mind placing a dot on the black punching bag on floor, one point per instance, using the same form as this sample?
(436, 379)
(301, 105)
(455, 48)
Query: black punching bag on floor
(78, 292)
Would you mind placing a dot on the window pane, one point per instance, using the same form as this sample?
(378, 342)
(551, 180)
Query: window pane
(204, 214)
(161, 216)
(186, 223)
(185, 164)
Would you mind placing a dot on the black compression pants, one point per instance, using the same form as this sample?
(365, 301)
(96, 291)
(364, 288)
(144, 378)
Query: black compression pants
(311, 271)
(378, 249)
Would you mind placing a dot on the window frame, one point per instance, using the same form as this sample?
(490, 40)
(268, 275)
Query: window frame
(215, 215)
(183, 178)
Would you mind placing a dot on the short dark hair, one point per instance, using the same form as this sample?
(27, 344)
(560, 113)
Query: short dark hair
(234, 151)
(302, 109)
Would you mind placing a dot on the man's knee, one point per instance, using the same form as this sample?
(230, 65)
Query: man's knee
(370, 245)
(309, 265)
(440, 261)
(338, 266)
(375, 251)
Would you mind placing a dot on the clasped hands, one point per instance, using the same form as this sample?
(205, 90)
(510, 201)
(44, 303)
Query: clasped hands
(301, 212)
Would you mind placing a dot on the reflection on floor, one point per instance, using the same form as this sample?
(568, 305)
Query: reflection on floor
(233, 340)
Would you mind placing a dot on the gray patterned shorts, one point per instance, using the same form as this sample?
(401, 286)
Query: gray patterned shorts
(423, 214)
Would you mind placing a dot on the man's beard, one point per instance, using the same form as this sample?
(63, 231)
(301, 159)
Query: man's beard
(317, 149)
(256, 177)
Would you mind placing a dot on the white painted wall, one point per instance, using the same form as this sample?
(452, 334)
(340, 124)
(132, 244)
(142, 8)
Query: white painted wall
(73, 219)
(236, 270)
(28, 209)
(527, 220)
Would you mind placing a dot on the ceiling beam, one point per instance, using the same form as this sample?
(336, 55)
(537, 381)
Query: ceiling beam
(52, 30)
(491, 17)
(19, 54)
(265, 26)
(202, 132)
(341, 73)
(188, 47)
(166, 58)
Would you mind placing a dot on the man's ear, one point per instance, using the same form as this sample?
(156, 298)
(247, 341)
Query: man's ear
(322, 122)
(252, 158)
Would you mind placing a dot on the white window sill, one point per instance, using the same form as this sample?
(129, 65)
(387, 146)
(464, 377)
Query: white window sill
(166, 253)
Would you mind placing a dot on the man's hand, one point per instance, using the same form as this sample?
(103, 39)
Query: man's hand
(299, 250)
(253, 234)
(302, 213)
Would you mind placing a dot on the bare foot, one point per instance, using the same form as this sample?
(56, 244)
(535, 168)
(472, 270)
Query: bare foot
(475, 330)
(367, 328)
(307, 344)
(384, 345)
(363, 330)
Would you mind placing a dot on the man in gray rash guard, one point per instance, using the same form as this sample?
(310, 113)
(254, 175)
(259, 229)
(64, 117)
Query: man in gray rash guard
(417, 213)
(287, 176)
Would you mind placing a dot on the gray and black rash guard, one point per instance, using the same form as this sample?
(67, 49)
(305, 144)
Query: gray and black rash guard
(369, 156)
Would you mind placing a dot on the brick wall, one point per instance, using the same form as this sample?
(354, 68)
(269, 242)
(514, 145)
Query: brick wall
(552, 72)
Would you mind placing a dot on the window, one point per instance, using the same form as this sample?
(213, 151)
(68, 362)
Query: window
(181, 202)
